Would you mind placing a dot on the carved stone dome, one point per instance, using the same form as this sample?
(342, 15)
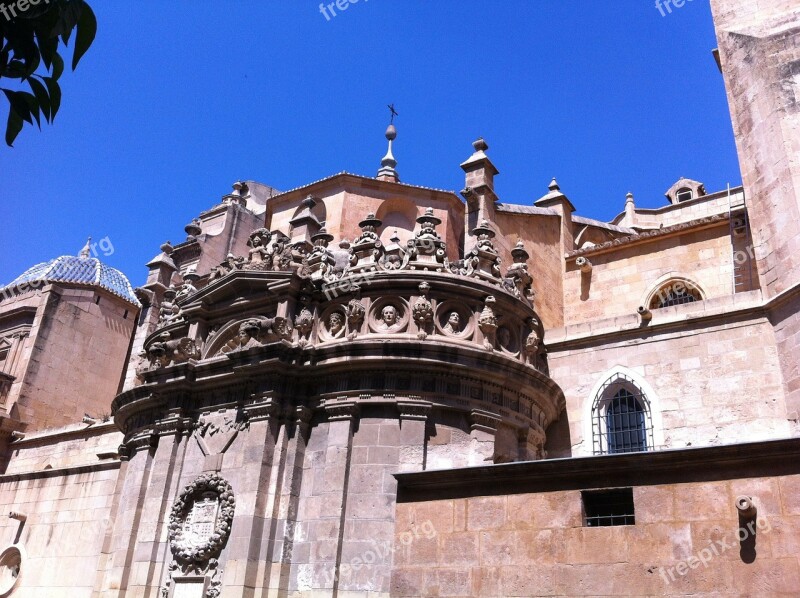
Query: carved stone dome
(77, 270)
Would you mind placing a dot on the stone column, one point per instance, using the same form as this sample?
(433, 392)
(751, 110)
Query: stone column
(330, 484)
(413, 419)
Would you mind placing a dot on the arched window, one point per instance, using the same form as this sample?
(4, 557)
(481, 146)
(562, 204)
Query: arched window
(675, 292)
(684, 194)
(621, 418)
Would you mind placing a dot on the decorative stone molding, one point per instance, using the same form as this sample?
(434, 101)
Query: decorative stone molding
(143, 441)
(700, 223)
(200, 520)
(419, 410)
(485, 421)
(174, 424)
(260, 409)
(339, 411)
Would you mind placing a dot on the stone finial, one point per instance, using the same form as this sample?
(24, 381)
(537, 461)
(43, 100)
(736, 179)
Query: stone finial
(240, 188)
(322, 238)
(483, 260)
(480, 145)
(518, 277)
(554, 197)
(321, 261)
(167, 248)
(629, 197)
(304, 225)
(478, 168)
(388, 170)
(519, 254)
(367, 249)
(193, 228)
(427, 250)
(87, 249)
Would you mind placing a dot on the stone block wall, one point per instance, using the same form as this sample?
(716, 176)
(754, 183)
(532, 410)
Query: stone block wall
(759, 52)
(536, 544)
(72, 446)
(80, 339)
(713, 382)
(621, 279)
(69, 512)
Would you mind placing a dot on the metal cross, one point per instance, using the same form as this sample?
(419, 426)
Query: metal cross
(394, 113)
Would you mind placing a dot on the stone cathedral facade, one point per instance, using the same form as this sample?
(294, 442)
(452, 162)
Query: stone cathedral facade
(364, 387)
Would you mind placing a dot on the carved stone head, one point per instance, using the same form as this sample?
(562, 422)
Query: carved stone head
(453, 322)
(335, 323)
(389, 316)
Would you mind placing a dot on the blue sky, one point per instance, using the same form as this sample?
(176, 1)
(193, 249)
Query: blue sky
(175, 101)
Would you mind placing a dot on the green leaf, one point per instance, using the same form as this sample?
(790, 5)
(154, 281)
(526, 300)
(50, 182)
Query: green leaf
(18, 104)
(13, 127)
(33, 106)
(48, 46)
(86, 30)
(58, 66)
(55, 96)
(40, 91)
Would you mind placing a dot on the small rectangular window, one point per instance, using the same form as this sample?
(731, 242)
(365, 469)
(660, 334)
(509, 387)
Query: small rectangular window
(97, 300)
(608, 507)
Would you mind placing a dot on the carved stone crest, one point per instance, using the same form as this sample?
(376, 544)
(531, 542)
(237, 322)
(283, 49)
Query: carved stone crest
(200, 520)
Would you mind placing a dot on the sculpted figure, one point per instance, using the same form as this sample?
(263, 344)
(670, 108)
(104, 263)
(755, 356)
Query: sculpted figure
(504, 338)
(335, 324)
(259, 256)
(453, 325)
(230, 264)
(168, 310)
(187, 288)
(388, 317)
(532, 343)
(248, 335)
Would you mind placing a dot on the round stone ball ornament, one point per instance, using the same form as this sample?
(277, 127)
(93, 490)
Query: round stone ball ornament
(200, 520)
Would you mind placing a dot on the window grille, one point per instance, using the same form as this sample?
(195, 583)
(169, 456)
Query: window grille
(608, 507)
(675, 292)
(621, 418)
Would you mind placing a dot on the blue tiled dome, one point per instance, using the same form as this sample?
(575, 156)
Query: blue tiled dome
(81, 270)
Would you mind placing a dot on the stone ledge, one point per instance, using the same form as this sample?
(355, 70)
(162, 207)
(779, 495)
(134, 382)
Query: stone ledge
(672, 466)
(59, 472)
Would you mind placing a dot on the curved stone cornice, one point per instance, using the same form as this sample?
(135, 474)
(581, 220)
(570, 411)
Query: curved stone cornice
(422, 341)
